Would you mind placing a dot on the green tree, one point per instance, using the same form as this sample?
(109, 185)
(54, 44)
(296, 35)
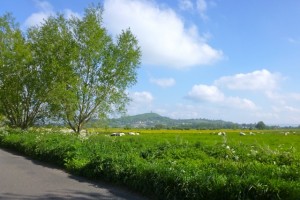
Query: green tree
(71, 67)
(21, 99)
(54, 50)
(105, 69)
(260, 125)
(90, 72)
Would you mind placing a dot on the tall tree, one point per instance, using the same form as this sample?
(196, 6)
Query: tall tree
(104, 69)
(90, 72)
(20, 93)
(54, 50)
(71, 67)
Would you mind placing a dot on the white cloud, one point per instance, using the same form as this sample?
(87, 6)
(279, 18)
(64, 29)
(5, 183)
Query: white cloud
(45, 10)
(212, 94)
(206, 93)
(258, 80)
(142, 97)
(162, 34)
(37, 18)
(163, 82)
(275, 106)
(241, 103)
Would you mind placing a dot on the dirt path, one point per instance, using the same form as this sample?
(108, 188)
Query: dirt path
(22, 178)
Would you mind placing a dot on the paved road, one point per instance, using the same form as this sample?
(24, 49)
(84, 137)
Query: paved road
(22, 178)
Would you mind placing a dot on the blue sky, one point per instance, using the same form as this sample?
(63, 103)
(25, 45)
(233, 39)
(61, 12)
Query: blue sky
(232, 60)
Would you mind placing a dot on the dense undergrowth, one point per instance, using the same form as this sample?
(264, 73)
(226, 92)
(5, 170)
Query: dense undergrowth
(174, 165)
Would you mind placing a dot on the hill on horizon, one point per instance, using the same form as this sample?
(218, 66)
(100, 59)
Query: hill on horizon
(154, 120)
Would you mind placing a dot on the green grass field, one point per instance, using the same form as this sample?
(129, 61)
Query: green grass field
(175, 164)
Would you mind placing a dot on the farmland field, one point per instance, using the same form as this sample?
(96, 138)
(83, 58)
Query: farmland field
(175, 164)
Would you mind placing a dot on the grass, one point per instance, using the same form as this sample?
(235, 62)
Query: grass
(175, 164)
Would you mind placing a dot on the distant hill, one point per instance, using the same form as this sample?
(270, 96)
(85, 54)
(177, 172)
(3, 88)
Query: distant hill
(153, 120)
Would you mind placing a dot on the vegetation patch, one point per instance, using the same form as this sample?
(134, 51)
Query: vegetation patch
(174, 165)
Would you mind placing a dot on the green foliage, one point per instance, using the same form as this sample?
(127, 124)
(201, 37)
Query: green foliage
(71, 67)
(21, 95)
(175, 165)
(103, 70)
(260, 125)
(93, 72)
(3, 120)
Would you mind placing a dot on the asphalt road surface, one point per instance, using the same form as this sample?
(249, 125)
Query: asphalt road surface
(22, 178)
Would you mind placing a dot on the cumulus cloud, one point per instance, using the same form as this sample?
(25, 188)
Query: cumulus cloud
(275, 106)
(241, 103)
(206, 93)
(37, 18)
(163, 82)
(45, 10)
(258, 80)
(212, 94)
(163, 36)
(142, 97)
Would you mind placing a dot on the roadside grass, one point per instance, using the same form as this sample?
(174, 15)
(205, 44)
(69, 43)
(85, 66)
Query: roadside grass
(174, 164)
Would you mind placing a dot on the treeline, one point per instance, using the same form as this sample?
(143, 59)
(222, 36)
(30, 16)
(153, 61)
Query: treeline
(156, 122)
(64, 69)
